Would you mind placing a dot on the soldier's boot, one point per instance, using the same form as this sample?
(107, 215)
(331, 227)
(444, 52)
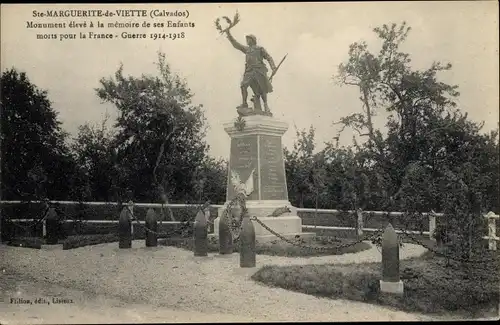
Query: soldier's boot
(266, 109)
(242, 106)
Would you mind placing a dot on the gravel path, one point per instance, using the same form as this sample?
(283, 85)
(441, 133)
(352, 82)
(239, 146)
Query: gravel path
(86, 308)
(168, 284)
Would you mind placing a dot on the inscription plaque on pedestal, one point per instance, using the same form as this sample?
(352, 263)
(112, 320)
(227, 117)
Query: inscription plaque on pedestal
(243, 160)
(272, 176)
(256, 149)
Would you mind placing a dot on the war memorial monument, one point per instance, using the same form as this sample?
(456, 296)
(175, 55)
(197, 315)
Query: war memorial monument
(256, 163)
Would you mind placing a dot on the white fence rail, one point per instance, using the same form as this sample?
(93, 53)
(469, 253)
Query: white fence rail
(491, 217)
(415, 232)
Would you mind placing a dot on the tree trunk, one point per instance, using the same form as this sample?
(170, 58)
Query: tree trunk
(316, 212)
(368, 112)
(471, 228)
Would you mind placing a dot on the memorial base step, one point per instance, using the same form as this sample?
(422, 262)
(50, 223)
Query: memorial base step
(271, 238)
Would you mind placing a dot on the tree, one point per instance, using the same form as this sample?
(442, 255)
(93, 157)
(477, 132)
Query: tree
(348, 175)
(299, 166)
(210, 180)
(159, 133)
(36, 160)
(458, 175)
(433, 157)
(387, 81)
(97, 172)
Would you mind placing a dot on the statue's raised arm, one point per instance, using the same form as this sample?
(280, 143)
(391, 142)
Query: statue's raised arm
(237, 45)
(255, 75)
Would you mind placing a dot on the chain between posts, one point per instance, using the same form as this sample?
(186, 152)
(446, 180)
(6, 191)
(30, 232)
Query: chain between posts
(233, 225)
(34, 222)
(236, 237)
(322, 248)
(159, 234)
(454, 258)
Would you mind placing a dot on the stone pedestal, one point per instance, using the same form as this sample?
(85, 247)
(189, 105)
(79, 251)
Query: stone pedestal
(256, 163)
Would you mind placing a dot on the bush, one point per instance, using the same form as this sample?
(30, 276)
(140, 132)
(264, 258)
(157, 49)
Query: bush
(81, 241)
(27, 242)
(68, 243)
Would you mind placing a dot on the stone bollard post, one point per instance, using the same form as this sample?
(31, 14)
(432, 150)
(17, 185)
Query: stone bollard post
(124, 225)
(206, 211)
(52, 227)
(359, 223)
(492, 230)
(130, 205)
(225, 237)
(151, 224)
(200, 235)
(391, 282)
(247, 242)
(432, 227)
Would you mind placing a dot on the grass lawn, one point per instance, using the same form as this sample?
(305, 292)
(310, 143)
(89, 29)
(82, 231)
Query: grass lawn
(430, 285)
(281, 248)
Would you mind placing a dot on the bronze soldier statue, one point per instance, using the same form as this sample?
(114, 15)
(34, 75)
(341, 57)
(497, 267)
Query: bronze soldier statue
(255, 75)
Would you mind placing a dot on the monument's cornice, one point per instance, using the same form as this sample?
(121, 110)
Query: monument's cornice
(257, 124)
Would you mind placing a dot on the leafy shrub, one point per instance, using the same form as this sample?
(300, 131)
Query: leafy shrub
(27, 242)
(81, 241)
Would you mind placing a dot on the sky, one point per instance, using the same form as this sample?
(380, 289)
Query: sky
(316, 37)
